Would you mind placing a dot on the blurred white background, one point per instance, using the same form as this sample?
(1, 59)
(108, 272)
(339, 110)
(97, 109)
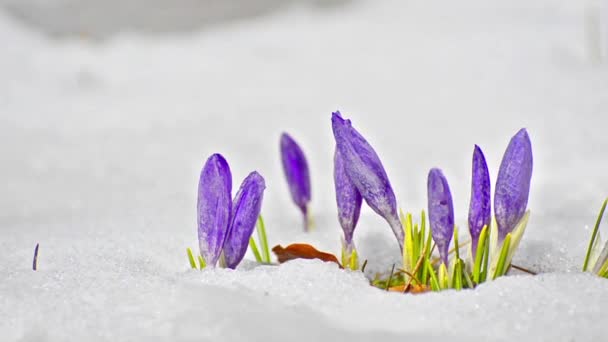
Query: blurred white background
(108, 110)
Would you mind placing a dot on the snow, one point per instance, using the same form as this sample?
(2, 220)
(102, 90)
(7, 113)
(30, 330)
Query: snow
(102, 143)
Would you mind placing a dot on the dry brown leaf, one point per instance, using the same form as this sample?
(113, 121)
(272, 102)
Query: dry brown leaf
(302, 251)
(414, 289)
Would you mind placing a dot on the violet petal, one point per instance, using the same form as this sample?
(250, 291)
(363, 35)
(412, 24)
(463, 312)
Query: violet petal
(480, 211)
(245, 212)
(213, 207)
(296, 171)
(365, 170)
(348, 198)
(441, 212)
(513, 183)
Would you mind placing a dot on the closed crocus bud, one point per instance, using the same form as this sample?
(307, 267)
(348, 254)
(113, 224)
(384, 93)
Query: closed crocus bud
(214, 206)
(513, 183)
(441, 212)
(348, 199)
(297, 174)
(363, 167)
(245, 212)
(480, 211)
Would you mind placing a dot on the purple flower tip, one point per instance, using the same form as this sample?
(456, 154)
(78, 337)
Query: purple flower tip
(296, 171)
(480, 212)
(213, 207)
(513, 183)
(364, 169)
(245, 212)
(348, 199)
(441, 212)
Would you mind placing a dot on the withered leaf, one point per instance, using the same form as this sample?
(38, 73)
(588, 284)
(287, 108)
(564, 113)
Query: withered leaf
(414, 289)
(302, 251)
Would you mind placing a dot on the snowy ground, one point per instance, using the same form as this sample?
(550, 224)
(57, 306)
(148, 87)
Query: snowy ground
(102, 144)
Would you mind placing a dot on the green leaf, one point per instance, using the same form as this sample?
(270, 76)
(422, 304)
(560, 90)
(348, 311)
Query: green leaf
(497, 256)
(350, 261)
(486, 261)
(408, 250)
(202, 262)
(354, 260)
(516, 235)
(443, 277)
(261, 228)
(191, 258)
(594, 235)
(428, 246)
(254, 249)
(457, 278)
(434, 280)
(501, 265)
(482, 245)
(467, 277)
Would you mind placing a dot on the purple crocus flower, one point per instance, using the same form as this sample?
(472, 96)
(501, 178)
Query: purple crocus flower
(364, 169)
(297, 174)
(245, 211)
(513, 183)
(480, 211)
(441, 212)
(348, 199)
(214, 207)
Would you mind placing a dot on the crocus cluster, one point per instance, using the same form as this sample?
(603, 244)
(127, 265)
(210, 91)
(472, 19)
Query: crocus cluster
(510, 198)
(297, 174)
(225, 225)
(359, 174)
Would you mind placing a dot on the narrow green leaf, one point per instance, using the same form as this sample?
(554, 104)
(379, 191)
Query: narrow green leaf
(202, 262)
(422, 254)
(504, 252)
(427, 256)
(516, 236)
(433, 277)
(481, 246)
(191, 258)
(261, 228)
(443, 277)
(354, 260)
(603, 269)
(415, 242)
(594, 235)
(255, 250)
(457, 278)
(350, 261)
(486, 260)
(409, 243)
(467, 277)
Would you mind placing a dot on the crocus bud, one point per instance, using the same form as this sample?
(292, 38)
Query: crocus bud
(245, 211)
(480, 211)
(513, 183)
(214, 205)
(297, 174)
(348, 199)
(441, 212)
(363, 167)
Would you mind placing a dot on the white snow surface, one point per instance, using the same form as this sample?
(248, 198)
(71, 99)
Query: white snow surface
(102, 144)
